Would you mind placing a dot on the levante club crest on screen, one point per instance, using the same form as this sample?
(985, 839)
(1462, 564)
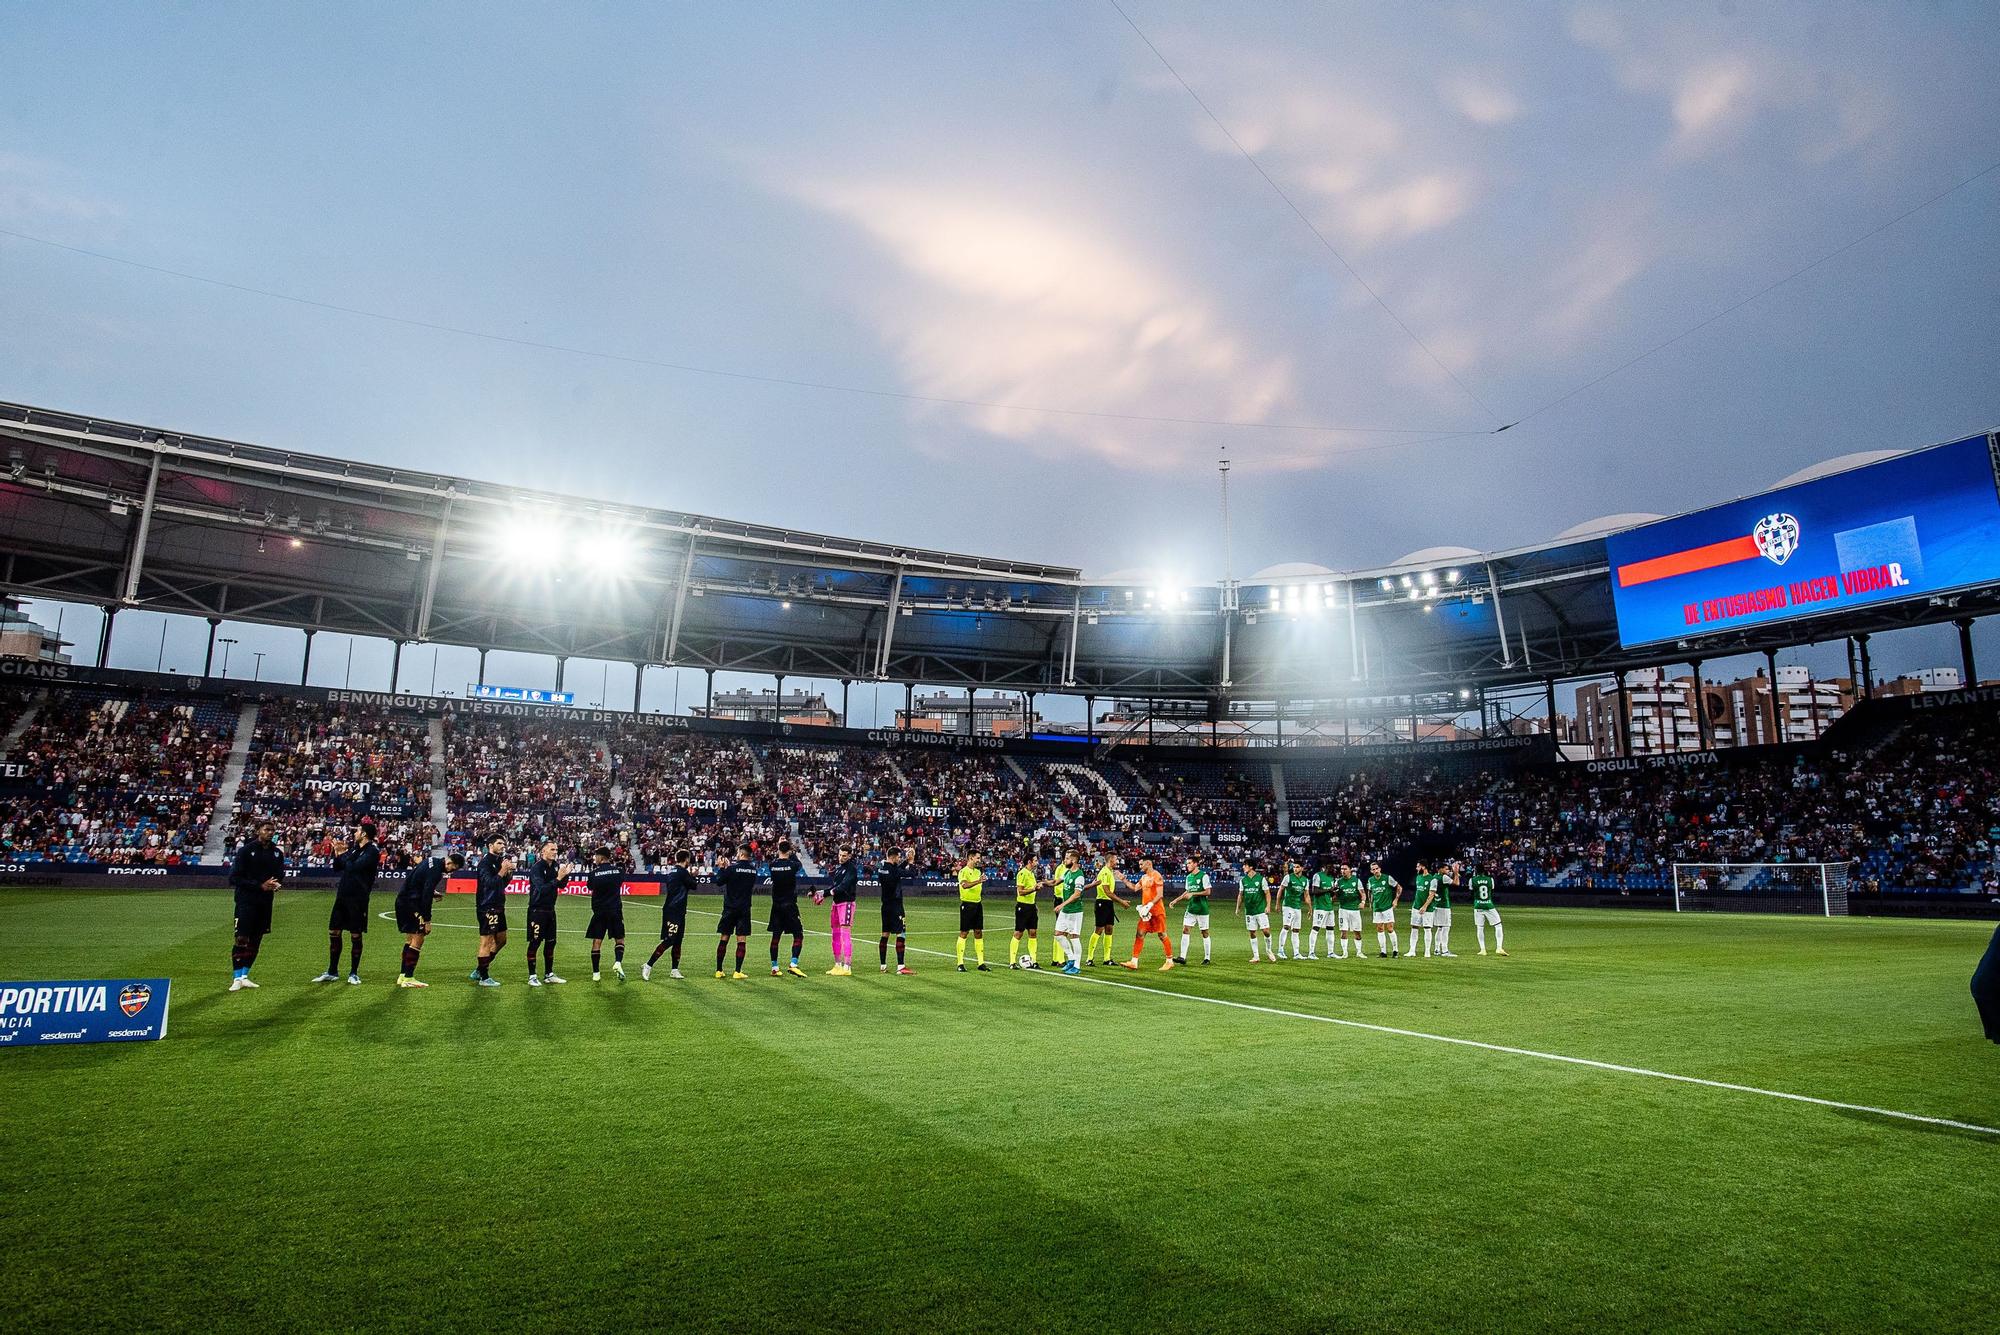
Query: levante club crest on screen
(1777, 537)
(134, 998)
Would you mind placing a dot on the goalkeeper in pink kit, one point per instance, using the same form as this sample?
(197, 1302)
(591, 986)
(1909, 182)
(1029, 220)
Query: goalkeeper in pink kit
(845, 888)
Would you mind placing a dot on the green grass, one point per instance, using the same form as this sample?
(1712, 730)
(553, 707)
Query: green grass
(1006, 1152)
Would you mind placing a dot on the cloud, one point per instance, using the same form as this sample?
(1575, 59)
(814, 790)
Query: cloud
(1016, 302)
(34, 190)
(1481, 99)
(1720, 86)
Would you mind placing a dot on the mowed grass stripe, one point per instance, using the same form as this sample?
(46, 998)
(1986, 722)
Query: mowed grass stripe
(1394, 1031)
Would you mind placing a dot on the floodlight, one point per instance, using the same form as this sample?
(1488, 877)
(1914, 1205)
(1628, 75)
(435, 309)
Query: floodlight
(786, 604)
(1387, 584)
(606, 553)
(1430, 577)
(1406, 581)
(1451, 577)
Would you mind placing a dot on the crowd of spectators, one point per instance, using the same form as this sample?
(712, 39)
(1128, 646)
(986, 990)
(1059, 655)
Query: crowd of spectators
(315, 770)
(113, 778)
(529, 780)
(105, 776)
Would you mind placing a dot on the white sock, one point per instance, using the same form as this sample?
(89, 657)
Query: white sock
(1184, 941)
(1204, 947)
(1499, 937)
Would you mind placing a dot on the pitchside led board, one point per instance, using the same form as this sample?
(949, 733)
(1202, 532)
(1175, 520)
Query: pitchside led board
(89, 1010)
(1918, 524)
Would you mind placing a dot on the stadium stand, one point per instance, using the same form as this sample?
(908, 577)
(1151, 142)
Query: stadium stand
(314, 771)
(117, 779)
(102, 776)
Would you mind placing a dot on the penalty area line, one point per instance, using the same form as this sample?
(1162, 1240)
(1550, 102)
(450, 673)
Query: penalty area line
(1477, 1044)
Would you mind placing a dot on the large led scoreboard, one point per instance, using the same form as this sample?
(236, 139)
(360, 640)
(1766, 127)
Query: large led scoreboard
(1922, 523)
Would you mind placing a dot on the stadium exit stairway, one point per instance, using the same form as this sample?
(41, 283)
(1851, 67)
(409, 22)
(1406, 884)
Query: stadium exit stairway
(1146, 787)
(215, 848)
(1281, 799)
(440, 795)
(22, 724)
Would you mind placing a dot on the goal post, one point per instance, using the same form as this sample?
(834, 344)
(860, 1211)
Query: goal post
(1761, 887)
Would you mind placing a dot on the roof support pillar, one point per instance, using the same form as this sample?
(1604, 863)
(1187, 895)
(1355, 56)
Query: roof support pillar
(671, 649)
(423, 626)
(1499, 617)
(135, 559)
(889, 624)
(1075, 620)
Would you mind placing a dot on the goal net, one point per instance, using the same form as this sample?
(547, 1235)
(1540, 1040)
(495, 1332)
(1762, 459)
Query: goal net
(1761, 887)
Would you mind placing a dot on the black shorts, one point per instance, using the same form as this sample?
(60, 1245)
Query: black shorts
(607, 922)
(1107, 913)
(410, 919)
(492, 919)
(673, 921)
(971, 917)
(892, 916)
(253, 912)
(348, 915)
(541, 924)
(785, 918)
(1027, 917)
(735, 920)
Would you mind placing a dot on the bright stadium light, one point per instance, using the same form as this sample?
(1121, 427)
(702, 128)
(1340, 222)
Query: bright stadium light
(607, 553)
(1430, 577)
(1387, 584)
(1277, 597)
(1414, 595)
(525, 539)
(785, 604)
(1451, 577)
(1406, 581)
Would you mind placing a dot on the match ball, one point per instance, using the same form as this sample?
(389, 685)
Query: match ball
(1027, 961)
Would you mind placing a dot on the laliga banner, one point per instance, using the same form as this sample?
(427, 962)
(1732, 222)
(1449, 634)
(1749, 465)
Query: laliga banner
(96, 1010)
(1921, 523)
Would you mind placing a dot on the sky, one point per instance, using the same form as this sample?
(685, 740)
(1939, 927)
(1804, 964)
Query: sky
(1449, 218)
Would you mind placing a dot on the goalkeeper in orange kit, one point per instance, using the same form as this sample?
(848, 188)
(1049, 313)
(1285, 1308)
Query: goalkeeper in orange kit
(1152, 915)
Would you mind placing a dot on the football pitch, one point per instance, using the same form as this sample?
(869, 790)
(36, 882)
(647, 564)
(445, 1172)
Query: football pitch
(1199, 1149)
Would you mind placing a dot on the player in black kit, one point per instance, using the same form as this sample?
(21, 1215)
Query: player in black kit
(607, 912)
(414, 902)
(255, 876)
(889, 876)
(784, 870)
(489, 906)
(545, 881)
(738, 880)
(674, 889)
(357, 867)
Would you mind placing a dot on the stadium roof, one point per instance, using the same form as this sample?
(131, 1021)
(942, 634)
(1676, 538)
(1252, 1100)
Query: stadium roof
(128, 516)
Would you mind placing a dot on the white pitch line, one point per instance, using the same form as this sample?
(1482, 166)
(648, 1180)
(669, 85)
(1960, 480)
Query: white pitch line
(1566, 1060)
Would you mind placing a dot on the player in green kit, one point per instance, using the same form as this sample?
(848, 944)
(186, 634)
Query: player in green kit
(1347, 895)
(1195, 891)
(1072, 890)
(1424, 891)
(1441, 910)
(1254, 903)
(1383, 892)
(1322, 910)
(1291, 909)
(1484, 910)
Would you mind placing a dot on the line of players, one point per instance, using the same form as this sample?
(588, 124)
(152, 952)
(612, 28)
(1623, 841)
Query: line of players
(1335, 903)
